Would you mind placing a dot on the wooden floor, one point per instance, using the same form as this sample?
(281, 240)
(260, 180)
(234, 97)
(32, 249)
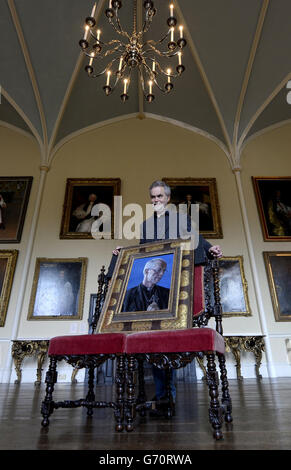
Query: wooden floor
(261, 412)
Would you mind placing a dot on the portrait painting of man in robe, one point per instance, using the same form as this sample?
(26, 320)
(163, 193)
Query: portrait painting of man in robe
(8, 260)
(278, 266)
(149, 284)
(85, 199)
(274, 206)
(202, 191)
(14, 197)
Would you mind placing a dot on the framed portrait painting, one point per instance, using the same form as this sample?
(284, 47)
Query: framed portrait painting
(14, 196)
(233, 287)
(273, 199)
(58, 289)
(151, 289)
(202, 191)
(8, 259)
(84, 200)
(278, 267)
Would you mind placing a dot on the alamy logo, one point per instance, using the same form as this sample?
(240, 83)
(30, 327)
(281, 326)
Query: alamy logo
(129, 222)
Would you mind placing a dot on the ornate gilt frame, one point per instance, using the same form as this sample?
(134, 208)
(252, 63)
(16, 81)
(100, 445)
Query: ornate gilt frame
(36, 278)
(272, 284)
(210, 183)
(248, 311)
(115, 183)
(20, 223)
(272, 181)
(11, 256)
(179, 315)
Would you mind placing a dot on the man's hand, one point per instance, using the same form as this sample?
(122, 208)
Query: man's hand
(117, 250)
(216, 251)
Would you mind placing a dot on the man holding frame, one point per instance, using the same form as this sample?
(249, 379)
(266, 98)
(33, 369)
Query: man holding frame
(161, 226)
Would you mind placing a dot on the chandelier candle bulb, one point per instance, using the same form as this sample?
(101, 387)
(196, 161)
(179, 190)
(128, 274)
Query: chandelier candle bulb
(86, 33)
(120, 64)
(171, 10)
(108, 78)
(180, 58)
(169, 75)
(150, 87)
(154, 66)
(172, 34)
(93, 11)
(91, 59)
(125, 81)
(181, 31)
(98, 34)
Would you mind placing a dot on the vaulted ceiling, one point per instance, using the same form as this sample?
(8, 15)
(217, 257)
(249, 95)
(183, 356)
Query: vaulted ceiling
(238, 64)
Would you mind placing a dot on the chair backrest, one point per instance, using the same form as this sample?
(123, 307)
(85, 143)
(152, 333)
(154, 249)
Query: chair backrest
(103, 282)
(206, 302)
(199, 291)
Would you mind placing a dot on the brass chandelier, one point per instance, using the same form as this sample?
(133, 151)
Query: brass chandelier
(130, 52)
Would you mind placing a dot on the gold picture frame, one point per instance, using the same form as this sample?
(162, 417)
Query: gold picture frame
(233, 287)
(14, 197)
(174, 307)
(75, 223)
(8, 259)
(58, 289)
(202, 191)
(273, 199)
(278, 268)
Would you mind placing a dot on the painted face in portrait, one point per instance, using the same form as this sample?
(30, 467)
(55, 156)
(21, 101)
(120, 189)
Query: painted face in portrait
(153, 272)
(92, 197)
(154, 275)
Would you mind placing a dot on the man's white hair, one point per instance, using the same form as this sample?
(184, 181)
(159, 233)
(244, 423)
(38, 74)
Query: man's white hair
(154, 262)
(162, 184)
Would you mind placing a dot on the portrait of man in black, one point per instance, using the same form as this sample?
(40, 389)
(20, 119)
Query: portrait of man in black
(148, 295)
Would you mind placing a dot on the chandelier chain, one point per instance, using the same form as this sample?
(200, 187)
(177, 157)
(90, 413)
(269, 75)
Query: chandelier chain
(134, 17)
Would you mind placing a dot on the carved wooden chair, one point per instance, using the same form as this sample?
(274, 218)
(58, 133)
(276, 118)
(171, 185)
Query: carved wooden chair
(175, 349)
(164, 349)
(90, 352)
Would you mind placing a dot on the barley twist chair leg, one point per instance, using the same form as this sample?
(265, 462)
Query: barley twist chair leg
(215, 410)
(90, 395)
(226, 400)
(130, 402)
(170, 408)
(47, 406)
(141, 398)
(119, 387)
